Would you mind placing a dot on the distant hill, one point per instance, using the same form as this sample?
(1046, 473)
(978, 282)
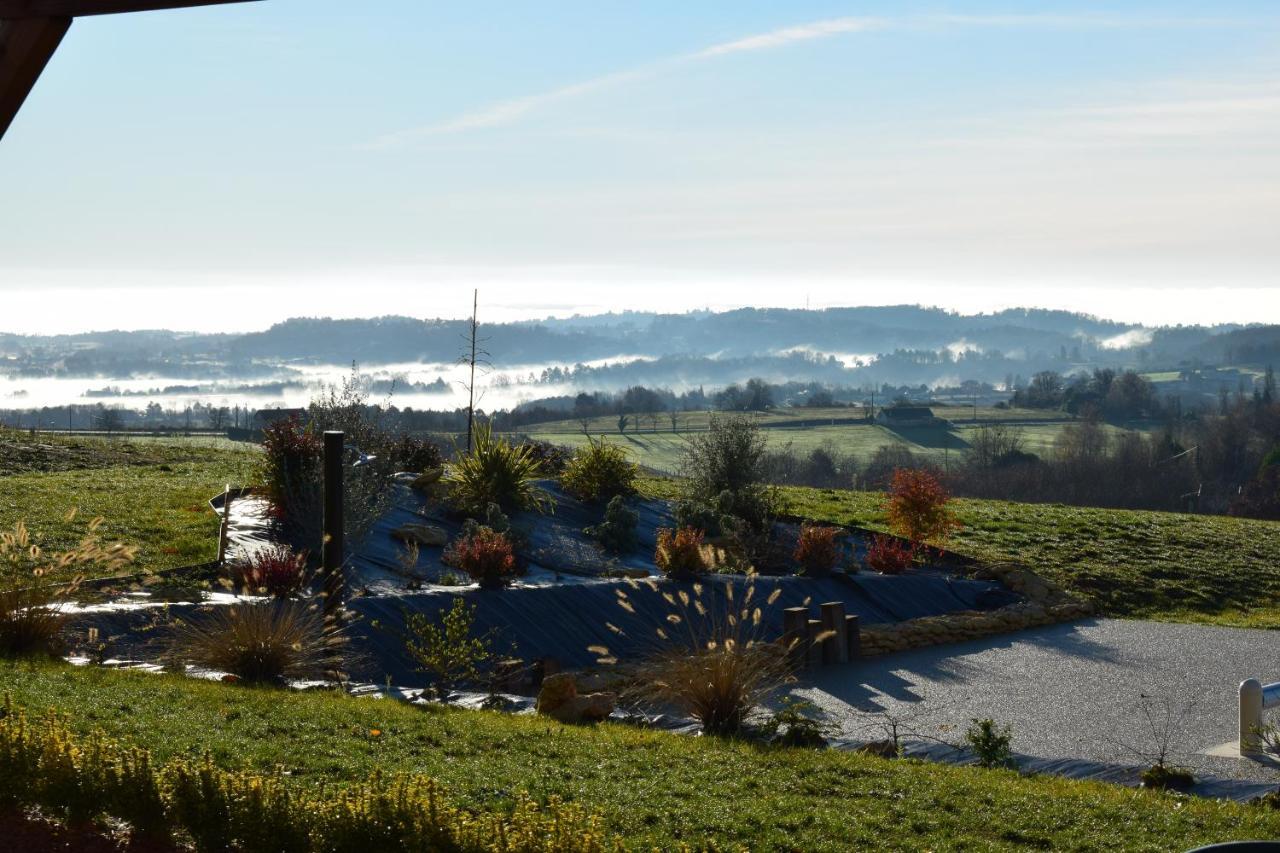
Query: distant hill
(1255, 345)
(908, 343)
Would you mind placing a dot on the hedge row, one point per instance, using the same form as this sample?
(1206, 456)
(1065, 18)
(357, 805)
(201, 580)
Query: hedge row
(43, 764)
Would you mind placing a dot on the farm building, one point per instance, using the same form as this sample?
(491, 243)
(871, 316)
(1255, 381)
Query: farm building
(907, 416)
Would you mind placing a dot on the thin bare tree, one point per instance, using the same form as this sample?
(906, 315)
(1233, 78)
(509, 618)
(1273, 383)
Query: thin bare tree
(473, 356)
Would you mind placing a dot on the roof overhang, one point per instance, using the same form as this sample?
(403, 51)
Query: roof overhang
(31, 30)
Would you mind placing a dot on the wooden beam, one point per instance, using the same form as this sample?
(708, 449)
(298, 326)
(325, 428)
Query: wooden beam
(15, 9)
(25, 48)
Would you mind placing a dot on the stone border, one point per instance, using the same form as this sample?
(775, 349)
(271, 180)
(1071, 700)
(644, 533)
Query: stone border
(1045, 604)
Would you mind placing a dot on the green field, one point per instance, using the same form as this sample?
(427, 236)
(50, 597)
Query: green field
(661, 449)
(1137, 564)
(152, 493)
(655, 790)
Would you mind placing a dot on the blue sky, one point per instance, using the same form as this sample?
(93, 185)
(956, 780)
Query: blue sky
(230, 166)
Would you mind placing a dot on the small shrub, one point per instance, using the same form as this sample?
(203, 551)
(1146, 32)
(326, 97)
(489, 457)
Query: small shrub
(598, 472)
(918, 506)
(700, 515)
(551, 458)
(496, 520)
(989, 744)
(817, 550)
(274, 571)
(495, 472)
(1163, 777)
(407, 452)
(731, 456)
(617, 532)
(890, 556)
(679, 553)
(260, 642)
(444, 645)
(484, 554)
(794, 724)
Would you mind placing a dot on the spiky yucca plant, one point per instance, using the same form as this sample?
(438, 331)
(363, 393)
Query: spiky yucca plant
(496, 472)
(33, 581)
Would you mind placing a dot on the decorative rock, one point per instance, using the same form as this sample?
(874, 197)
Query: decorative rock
(559, 699)
(427, 479)
(587, 708)
(422, 534)
(557, 690)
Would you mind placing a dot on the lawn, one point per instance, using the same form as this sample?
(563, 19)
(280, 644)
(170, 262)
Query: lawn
(1139, 564)
(153, 494)
(654, 789)
(661, 449)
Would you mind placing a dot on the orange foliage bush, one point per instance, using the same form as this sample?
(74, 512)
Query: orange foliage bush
(486, 555)
(919, 506)
(816, 550)
(890, 556)
(679, 553)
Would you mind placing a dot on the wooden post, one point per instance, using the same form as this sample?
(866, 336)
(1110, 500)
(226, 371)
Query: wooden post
(813, 650)
(795, 633)
(853, 636)
(225, 527)
(332, 548)
(835, 649)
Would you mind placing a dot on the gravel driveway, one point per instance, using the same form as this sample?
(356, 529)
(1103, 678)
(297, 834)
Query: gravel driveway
(1068, 691)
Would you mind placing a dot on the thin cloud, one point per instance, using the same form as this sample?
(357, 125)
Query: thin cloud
(510, 111)
(790, 35)
(506, 112)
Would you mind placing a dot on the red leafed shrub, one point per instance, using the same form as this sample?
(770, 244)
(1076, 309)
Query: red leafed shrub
(289, 450)
(816, 550)
(890, 556)
(275, 571)
(679, 553)
(484, 554)
(918, 506)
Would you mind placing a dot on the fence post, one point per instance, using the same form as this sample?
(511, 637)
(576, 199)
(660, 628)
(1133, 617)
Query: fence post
(814, 651)
(332, 547)
(225, 527)
(795, 633)
(853, 636)
(1250, 716)
(835, 649)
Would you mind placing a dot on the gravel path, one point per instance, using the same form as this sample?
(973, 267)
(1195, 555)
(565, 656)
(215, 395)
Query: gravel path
(1068, 691)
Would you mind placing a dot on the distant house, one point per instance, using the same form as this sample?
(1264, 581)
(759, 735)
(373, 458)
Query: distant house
(266, 417)
(907, 416)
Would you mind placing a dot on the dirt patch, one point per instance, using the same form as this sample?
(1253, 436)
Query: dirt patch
(39, 455)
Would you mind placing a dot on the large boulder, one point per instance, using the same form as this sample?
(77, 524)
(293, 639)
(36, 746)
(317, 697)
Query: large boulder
(560, 700)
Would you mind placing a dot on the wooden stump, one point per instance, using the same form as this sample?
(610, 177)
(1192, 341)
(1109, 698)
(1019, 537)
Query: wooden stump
(835, 648)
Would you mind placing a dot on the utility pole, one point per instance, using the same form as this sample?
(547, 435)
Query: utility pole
(471, 383)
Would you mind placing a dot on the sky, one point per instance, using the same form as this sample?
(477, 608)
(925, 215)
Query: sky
(223, 168)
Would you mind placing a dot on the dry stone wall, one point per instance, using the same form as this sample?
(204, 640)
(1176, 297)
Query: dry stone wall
(1045, 604)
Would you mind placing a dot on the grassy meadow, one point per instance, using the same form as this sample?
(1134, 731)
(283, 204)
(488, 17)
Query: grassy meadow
(152, 493)
(652, 442)
(653, 789)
